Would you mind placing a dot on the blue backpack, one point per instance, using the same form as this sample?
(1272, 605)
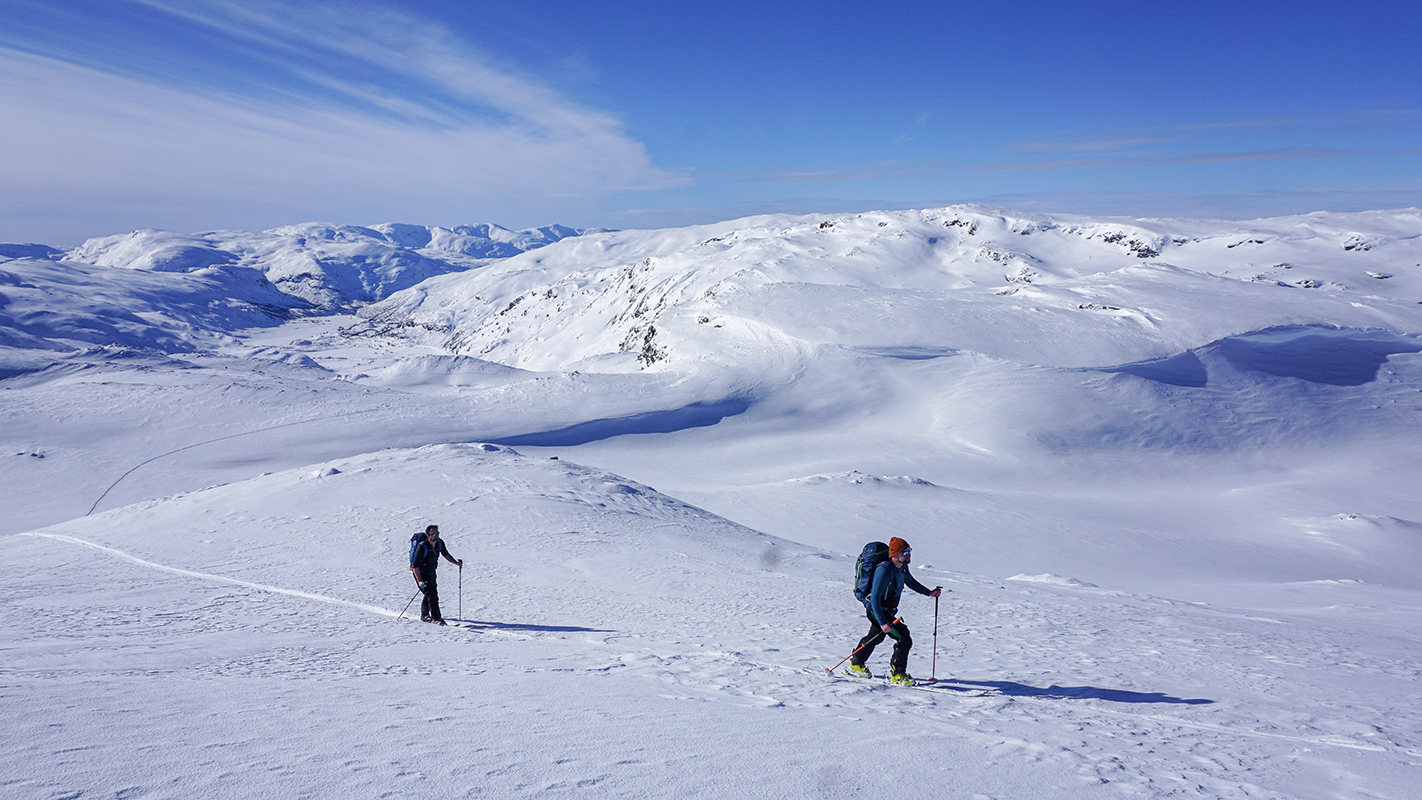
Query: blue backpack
(870, 557)
(415, 542)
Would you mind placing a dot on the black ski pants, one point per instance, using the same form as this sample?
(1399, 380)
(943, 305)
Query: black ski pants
(429, 605)
(898, 662)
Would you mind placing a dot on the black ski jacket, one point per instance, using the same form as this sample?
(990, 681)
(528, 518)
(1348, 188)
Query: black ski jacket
(426, 558)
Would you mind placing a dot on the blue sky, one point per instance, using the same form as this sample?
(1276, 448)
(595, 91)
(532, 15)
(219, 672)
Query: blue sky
(201, 114)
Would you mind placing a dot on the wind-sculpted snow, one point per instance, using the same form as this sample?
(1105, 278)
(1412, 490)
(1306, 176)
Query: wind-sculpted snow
(696, 415)
(440, 373)
(1313, 354)
(857, 478)
(1337, 358)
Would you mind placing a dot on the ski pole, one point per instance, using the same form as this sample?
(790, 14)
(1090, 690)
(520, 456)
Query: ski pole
(461, 592)
(407, 605)
(861, 647)
(418, 590)
(933, 676)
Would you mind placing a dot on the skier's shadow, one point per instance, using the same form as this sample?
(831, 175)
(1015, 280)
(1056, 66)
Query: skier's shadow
(1013, 689)
(475, 624)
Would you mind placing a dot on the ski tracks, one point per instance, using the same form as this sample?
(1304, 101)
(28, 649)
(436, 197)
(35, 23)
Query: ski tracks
(1223, 749)
(215, 578)
(1086, 738)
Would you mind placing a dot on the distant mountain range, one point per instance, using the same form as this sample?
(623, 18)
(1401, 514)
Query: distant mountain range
(327, 266)
(171, 291)
(1072, 291)
(1042, 289)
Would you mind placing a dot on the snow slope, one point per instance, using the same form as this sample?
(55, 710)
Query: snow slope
(1164, 468)
(241, 640)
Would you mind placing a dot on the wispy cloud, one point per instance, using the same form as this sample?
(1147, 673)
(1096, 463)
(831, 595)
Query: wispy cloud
(308, 112)
(1164, 135)
(1277, 154)
(1208, 142)
(1025, 164)
(1233, 205)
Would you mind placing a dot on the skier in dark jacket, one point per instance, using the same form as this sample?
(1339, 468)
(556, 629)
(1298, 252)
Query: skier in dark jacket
(882, 606)
(424, 559)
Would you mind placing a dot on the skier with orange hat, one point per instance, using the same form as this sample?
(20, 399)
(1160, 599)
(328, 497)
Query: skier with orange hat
(882, 604)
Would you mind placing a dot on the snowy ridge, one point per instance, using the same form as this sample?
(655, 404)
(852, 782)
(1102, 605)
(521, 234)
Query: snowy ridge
(179, 292)
(857, 478)
(1054, 580)
(483, 241)
(330, 267)
(65, 305)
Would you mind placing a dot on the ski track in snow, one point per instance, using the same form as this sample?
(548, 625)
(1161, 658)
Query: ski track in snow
(218, 578)
(680, 644)
(1073, 730)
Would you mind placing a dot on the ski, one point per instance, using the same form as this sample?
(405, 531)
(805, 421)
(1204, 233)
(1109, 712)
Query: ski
(920, 684)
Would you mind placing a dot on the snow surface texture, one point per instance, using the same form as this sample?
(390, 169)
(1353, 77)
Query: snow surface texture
(1164, 469)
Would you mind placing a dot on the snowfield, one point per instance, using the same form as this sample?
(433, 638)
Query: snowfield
(1164, 470)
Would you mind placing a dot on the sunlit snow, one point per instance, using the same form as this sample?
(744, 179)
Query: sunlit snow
(1165, 471)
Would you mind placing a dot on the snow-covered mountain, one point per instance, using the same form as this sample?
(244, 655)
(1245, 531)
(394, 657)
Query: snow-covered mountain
(483, 241)
(329, 267)
(175, 292)
(61, 305)
(1166, 468)
(1192, 320)
(1077, 291)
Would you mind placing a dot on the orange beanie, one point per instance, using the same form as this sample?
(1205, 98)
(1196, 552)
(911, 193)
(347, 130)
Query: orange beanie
(898, 546)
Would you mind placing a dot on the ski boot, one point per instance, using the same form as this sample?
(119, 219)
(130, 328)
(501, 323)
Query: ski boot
(903, 679)
(858, 671)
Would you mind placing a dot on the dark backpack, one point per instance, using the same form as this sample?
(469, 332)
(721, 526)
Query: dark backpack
(870, 557)
(415, 542)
